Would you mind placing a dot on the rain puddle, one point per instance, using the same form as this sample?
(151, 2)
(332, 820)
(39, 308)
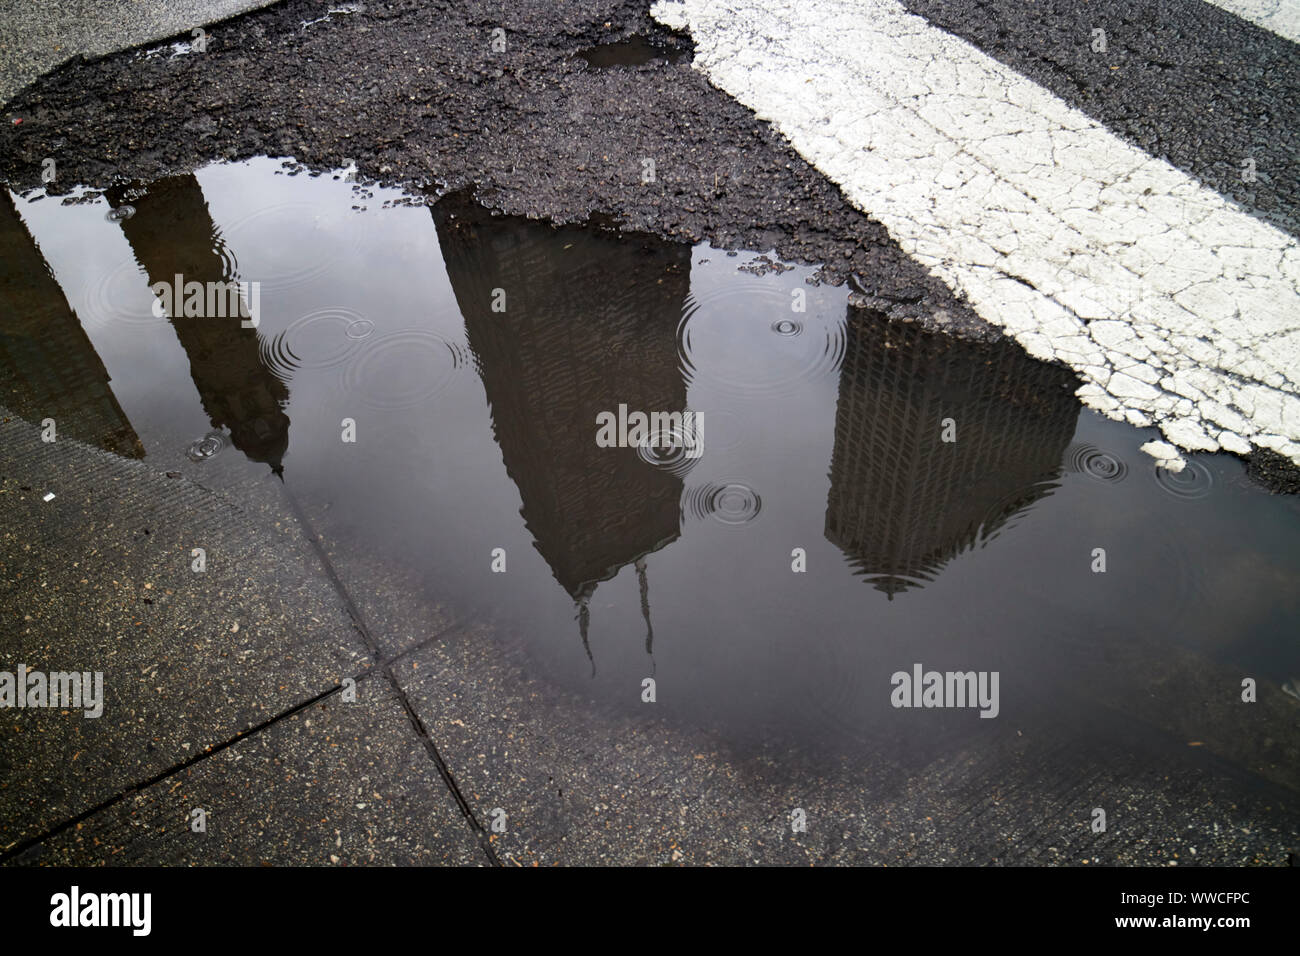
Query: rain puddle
(802, 535)
(634, 51)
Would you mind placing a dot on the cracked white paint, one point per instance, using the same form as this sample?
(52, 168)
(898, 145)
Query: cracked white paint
(1280, 16)
(1165, 454)
(1176, 308)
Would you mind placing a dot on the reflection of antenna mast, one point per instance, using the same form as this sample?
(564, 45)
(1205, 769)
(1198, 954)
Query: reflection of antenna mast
(584, 619)
(644, 584)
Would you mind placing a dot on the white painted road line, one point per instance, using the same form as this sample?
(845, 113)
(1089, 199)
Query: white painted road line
(1277, 16)
(1174, 306)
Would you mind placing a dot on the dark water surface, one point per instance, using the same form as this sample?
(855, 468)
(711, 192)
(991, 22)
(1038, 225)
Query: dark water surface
(821, 431)
(634, 51)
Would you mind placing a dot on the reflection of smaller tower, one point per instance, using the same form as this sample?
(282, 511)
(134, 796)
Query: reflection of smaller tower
(903, 502)
(172, 234)
(48, 366)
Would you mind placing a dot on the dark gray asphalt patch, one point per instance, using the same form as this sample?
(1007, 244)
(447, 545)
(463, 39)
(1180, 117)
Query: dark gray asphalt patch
(1186, 81)
(1273, 471)
(414, 93)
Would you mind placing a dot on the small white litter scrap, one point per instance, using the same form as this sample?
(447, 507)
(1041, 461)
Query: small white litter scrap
(49, 496)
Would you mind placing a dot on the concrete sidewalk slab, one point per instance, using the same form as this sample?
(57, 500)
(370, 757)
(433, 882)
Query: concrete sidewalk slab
(101, 579)
(337, 783)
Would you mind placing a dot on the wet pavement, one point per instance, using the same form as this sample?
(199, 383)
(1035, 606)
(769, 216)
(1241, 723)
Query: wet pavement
(395, 478)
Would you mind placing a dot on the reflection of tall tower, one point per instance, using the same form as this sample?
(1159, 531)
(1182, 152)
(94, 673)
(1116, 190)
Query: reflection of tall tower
(903, 502)
(48, 367)
(590, 322)
(172, 234)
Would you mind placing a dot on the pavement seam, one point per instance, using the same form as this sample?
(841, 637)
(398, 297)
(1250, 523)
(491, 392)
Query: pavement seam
(20, 848)
(358, 621)
(379, 663)
(25, 845)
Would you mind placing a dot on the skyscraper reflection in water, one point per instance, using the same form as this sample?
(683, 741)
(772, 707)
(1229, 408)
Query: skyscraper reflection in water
(48, 366)
(589, 322)
(903, 502)
(172, 233)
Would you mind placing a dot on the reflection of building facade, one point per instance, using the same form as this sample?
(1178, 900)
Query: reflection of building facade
(48, 366)
(172, 234)
(903, 502)
(590, 321)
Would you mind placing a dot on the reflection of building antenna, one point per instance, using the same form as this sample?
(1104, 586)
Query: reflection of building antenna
(584, 618)
(644, 584)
